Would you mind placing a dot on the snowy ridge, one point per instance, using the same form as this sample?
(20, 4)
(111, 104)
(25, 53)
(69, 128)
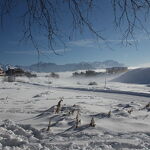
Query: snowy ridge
(138, 76)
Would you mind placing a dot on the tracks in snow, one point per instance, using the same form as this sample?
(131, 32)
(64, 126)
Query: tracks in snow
(107, 91)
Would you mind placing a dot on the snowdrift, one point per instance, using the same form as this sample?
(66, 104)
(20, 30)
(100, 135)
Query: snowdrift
(137, 76)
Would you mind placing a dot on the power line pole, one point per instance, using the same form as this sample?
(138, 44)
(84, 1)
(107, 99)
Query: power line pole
(38, 69)
(105, 80)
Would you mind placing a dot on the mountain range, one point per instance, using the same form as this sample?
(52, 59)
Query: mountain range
(52, 67)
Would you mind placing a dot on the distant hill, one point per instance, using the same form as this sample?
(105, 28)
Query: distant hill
(106, 64)
(137, 76)
(52, 67)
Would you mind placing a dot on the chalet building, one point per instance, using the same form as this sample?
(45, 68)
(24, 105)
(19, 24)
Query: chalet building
(2, 73)
(114, 70)
(14, 72)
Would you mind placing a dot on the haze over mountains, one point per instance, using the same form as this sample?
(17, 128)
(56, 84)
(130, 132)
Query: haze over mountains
(52, 67)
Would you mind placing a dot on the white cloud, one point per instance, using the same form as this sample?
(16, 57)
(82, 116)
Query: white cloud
(83, 43)
(91, 43)
(145, 65)
(34, 52)
(22, 52)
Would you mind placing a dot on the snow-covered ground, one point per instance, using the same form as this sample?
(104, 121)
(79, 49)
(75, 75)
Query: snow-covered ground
(27, 105)
(138, 76)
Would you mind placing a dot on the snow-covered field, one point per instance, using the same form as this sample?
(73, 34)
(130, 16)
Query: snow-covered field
(27, 105)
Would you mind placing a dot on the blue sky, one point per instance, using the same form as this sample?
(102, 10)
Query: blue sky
(81, 48)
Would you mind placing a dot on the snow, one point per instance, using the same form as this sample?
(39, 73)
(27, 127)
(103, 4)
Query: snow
(28, 104)
(138, 76)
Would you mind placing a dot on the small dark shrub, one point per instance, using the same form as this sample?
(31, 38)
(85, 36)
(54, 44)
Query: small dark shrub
(50, 82)
(54, 75)
(92, 83)
(30, 75)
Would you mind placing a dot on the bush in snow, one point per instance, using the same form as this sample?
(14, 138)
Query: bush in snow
(92, 123)
(78, 121)
(50, 82)
(54, 75)
(130, 111)
(109, 113)
(49, 125)
(30, 75)
(58, 107)
(92, 83)
(147, 106)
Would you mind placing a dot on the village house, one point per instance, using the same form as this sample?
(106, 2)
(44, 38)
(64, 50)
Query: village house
(15, 72)
(2, 73)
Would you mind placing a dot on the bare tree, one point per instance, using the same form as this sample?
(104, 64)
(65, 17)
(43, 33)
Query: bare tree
(45, 14)
(133, 14)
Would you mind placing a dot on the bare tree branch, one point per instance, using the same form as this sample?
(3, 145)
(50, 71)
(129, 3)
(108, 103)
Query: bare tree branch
(131, 13)
(46, 14)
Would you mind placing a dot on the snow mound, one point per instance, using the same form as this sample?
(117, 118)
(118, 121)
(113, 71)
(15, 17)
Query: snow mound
(19, 137)
(137, 76)
(64, 135)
